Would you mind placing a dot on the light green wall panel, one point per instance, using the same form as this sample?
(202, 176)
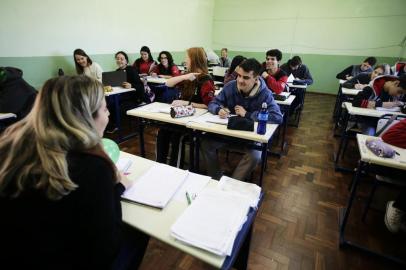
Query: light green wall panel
(38, 69)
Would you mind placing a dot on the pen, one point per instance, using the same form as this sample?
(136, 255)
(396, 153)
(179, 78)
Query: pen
(188, 198)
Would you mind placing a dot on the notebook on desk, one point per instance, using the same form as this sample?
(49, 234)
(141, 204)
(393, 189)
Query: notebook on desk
(282, 96)
(114, 78)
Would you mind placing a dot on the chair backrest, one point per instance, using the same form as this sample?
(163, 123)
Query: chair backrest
(386, 121)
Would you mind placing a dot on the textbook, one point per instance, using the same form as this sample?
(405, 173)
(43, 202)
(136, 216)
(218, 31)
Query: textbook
(157, 186)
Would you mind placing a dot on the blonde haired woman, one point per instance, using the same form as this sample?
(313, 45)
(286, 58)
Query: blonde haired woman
(196, 88)
(59, 191)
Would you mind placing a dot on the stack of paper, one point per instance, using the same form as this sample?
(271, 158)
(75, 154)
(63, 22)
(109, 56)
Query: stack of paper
(250, 191)
(212, 221)
(212, 118)
(393, 109)
(157, 186)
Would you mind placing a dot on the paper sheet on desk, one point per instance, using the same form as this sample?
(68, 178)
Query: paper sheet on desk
(251, 191)
(393, 109)
(193, 184)
(291, 78)
(212, 118)
(166, 109)
(212, 221)
(123, 164)
(157, 186)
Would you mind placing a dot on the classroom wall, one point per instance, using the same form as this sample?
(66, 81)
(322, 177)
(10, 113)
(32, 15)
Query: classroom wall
(328, 35)
(40, 36)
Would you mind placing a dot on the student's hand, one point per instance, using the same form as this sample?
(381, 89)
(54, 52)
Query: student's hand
(192, 76)
(348, 77)
(359, 86)
(178, 103)
(153, 74)
(223, 113)
(239, 110)
(264, 74)
(371, 105)
(126, 85)
(125, 181)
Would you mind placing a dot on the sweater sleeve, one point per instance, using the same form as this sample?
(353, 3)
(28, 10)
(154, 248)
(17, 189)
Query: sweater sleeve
(350, 83)
(135, 81)
(342, 74)
(362, 98)
(396, 134)
(175, 71)
(307, 77)
(207, 92)
(276, 86)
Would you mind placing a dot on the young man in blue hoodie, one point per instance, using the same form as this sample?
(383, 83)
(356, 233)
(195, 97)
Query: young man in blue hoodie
(242, 97)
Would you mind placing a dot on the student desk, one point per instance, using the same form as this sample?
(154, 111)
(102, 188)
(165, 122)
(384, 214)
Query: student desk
(285, 108)
(240, 134)
(344, 94)
(300, 93)
(367, 160)
(150, 112)
(115, 97)
(157, 223)
(338, 99)
(355, 111)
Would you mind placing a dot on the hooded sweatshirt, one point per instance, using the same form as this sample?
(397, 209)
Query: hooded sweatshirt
(16, 95)
(374, 92)
(230, 96)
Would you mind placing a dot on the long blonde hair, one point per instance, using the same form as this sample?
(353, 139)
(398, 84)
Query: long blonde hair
(33, 151)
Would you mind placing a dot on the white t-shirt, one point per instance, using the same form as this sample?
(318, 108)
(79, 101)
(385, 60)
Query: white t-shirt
(93, 71)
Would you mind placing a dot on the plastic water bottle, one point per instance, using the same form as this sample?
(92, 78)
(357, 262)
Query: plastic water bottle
(262, 119)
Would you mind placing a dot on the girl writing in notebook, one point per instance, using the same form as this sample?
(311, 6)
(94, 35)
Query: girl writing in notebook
(196, 88)
(59, 191)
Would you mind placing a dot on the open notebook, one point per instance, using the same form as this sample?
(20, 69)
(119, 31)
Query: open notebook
(157, 186)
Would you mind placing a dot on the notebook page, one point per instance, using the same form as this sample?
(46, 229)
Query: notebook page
(157, 186)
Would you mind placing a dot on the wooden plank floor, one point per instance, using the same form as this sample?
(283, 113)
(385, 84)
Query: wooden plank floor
(297, 225)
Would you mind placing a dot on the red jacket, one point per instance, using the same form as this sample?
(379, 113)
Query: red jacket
(277, 82)
(396, 134)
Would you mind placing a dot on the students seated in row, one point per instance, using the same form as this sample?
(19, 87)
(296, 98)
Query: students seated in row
(16, 95)
(231, 74)
(196, 89)
(243, 97)
(133, 79)
(354, 70)
(275, 77)
(385, 91)
(59, 191)
(395, 216)
(145, 63)
(224, 60)
(300, 71)
(166, 68)
(363, 79)
(85, 65)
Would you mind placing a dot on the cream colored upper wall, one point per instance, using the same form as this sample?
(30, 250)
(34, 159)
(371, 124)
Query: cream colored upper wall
(344, 27)
(56, 27)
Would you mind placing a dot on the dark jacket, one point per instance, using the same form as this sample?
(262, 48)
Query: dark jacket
(362, 78)
(16, 95)
(352, 71)
(302, 73)
(79, 231)
(134, 79)
(230, 96)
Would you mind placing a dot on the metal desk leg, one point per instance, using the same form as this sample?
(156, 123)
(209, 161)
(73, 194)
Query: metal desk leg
(342, 140)
(141, 131)
(285, 126)
(264, 156)
(241, 262)
(344, 219)
(117, 116)
(192, 151)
